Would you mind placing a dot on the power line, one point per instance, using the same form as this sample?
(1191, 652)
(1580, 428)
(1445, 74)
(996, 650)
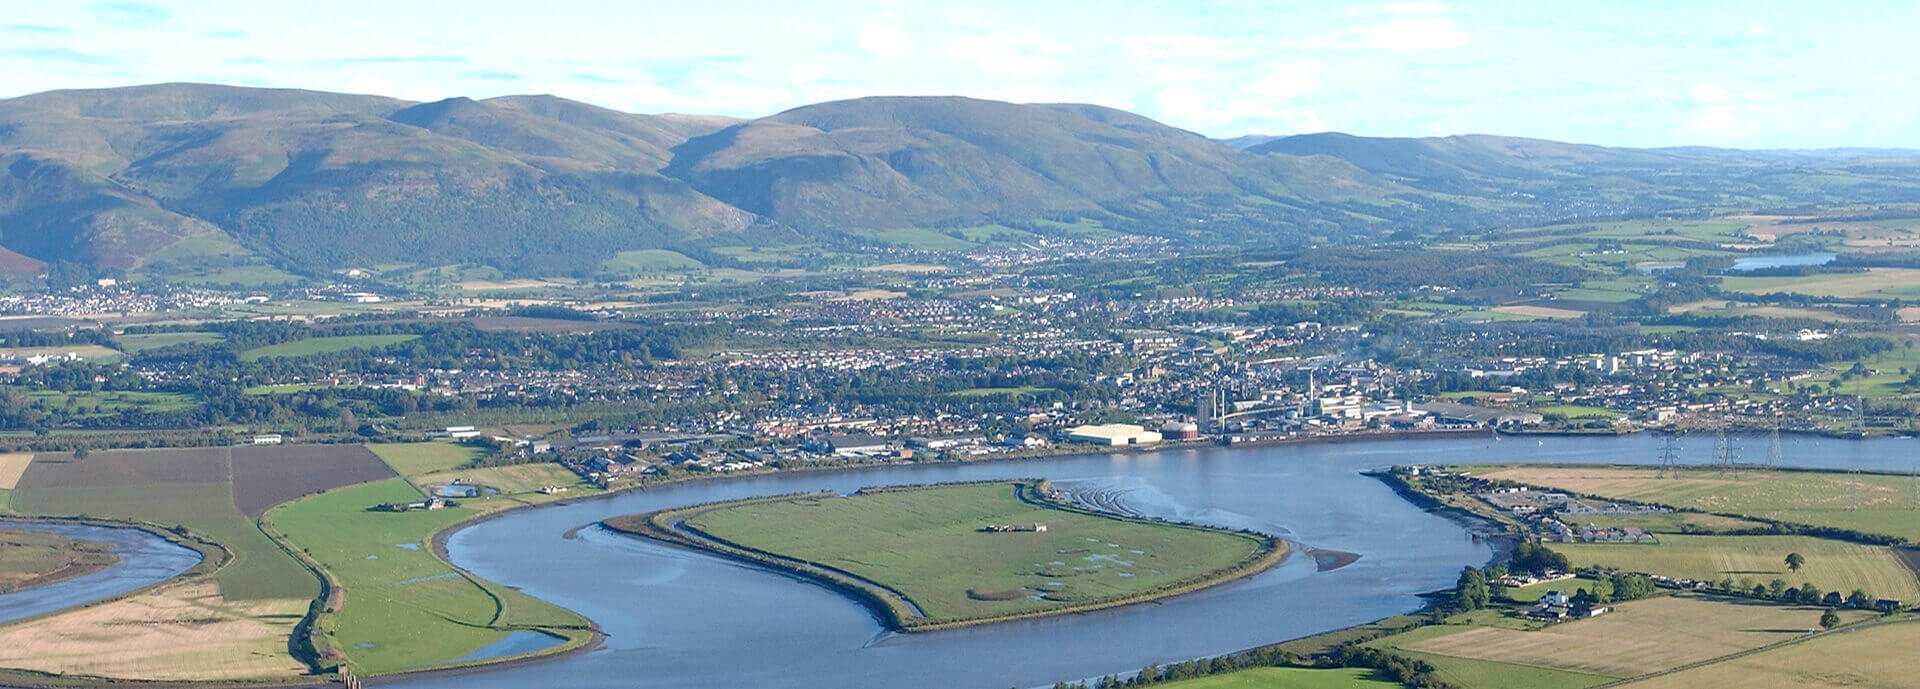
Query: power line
(1725, 455)
(1773, 448)
(1670, 456)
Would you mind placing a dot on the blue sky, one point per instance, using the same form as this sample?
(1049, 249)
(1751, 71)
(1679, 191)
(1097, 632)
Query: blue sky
(1745, 74)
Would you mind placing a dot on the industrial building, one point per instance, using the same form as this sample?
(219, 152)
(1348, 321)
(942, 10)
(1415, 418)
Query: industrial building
(1113, 435)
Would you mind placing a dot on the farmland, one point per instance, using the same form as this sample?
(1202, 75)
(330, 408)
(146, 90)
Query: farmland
(143, 342)
(518, 479)
(932, 547)
(404, 607)
(1831, 565)
(182, 631)
(1876, 282)
(1638, 638)
(1850, 659)
(242, 614)
(1868, 503)
(324, 345)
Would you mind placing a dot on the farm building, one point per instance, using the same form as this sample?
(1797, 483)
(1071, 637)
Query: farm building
(1113, 435)
(267, 439)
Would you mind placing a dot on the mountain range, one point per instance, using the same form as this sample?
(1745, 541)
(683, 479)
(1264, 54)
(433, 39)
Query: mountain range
(177, 177)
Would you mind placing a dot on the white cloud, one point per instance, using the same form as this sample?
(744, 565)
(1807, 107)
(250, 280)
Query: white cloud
(1758, 31)
(885, 40)
(1409, 34)
(1166, 73)
(1708, 94)
(1009, 52)
(806, 72)
(1185, 103)
(1417, 8)
(968, 17)
(1174, 47)
(1286, 80)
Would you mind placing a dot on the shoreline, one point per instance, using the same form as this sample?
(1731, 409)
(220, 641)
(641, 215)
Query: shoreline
(73, 569)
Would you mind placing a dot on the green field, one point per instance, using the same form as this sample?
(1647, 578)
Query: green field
(139, 343)
(408, 459)
(1876, 282)
(930, 545)
(1669, 522)
(1574, 412)
(1287, 678)
(1870, 503)
(404, 608)
(324, 345)
(1831, 565)
(84, 403)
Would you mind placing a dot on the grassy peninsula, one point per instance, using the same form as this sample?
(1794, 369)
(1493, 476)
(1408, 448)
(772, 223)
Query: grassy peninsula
(934, 557)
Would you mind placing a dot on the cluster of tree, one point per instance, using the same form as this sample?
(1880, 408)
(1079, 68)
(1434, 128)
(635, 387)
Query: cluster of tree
(1537, 559)
(1409, 672)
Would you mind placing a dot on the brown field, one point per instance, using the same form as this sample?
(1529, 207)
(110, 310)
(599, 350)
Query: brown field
(1872, 658)
(178, 632)
(267, 476)
(42, 323)
(131, 467)
(1540, 311)
(262, 476)
(1637, 637)
(12, 465)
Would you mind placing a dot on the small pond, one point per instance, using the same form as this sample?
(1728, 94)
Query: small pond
(463, 490)
(1765, 262)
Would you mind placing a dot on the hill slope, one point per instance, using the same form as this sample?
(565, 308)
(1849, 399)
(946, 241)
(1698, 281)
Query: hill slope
(186, 177)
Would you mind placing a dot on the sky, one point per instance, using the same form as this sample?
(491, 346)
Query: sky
(1748, 74)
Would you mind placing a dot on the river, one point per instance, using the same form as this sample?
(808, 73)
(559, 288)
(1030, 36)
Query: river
(676, 618)
(145, 559)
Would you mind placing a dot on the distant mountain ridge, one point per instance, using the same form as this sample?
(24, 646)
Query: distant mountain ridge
(174, 178)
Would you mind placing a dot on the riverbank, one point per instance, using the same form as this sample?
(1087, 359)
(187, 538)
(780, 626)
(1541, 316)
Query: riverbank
(39, 558)
(908, 585)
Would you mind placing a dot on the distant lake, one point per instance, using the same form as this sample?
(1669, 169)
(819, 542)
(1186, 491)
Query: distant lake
(1765, 262)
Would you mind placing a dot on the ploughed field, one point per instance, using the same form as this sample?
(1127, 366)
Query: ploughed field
(942, 548)
(38, 558)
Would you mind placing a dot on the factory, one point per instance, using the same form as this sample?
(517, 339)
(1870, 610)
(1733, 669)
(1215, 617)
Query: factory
(1113, 435)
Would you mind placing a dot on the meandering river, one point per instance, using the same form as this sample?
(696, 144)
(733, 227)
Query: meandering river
(676, 618)
(144, 559)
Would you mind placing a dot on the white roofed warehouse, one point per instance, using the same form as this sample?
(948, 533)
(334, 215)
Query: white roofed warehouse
(1113, 435)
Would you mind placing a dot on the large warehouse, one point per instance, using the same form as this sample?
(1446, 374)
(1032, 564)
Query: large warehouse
(1113, 434)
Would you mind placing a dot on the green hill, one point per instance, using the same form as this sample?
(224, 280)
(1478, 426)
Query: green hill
(192, 179)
